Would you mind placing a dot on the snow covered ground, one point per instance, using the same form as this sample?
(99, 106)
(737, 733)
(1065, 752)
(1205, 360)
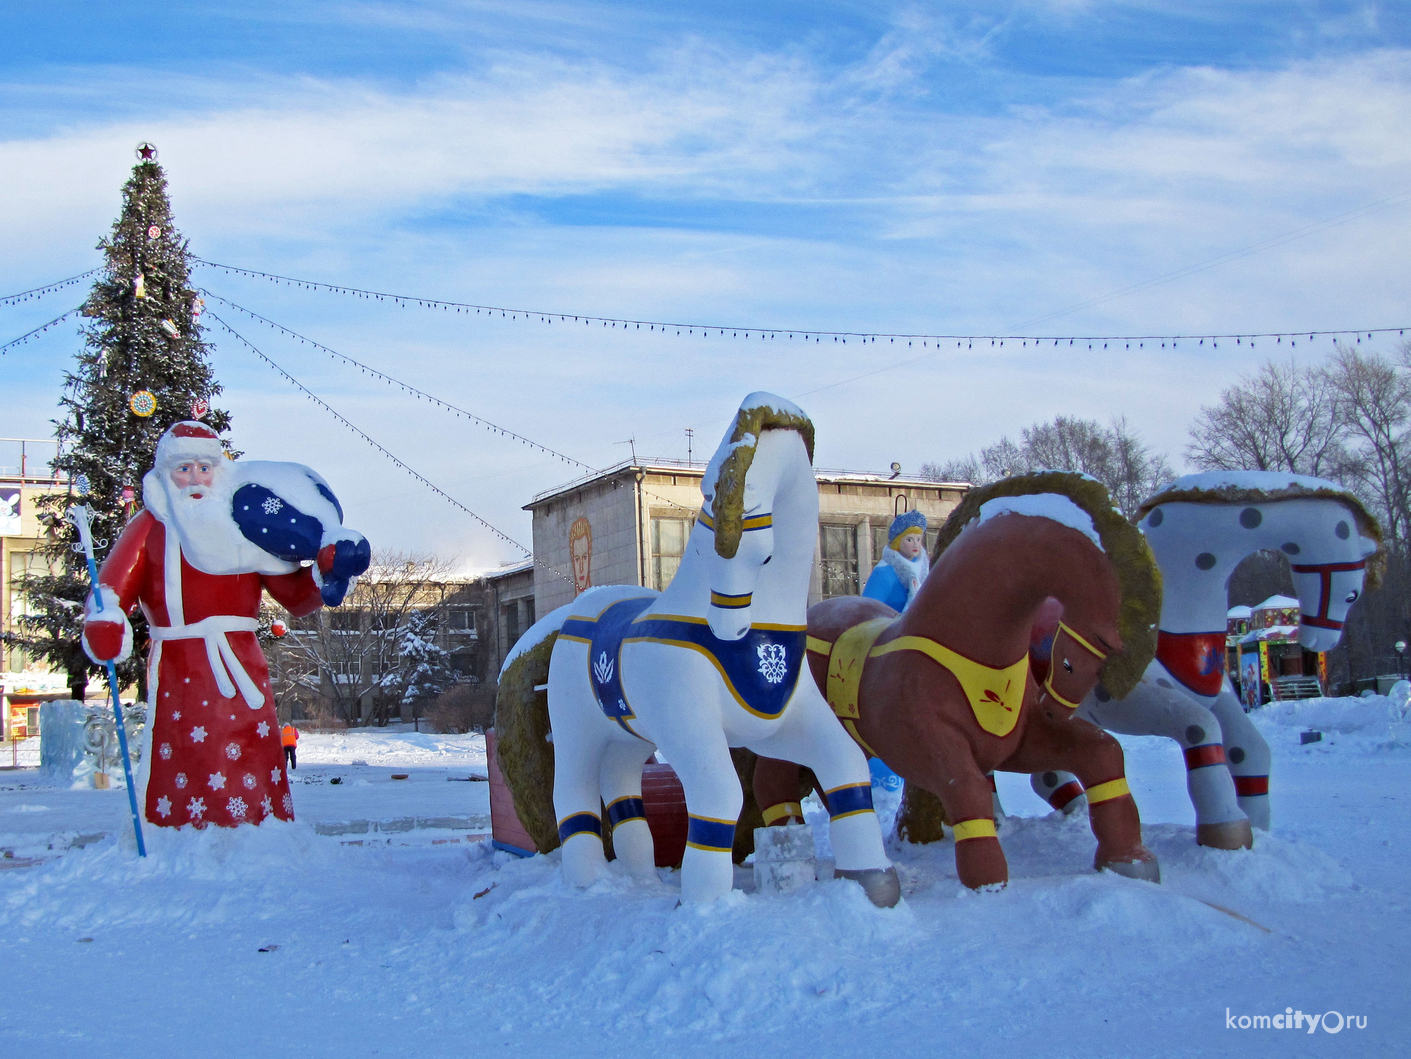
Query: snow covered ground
(283, 941)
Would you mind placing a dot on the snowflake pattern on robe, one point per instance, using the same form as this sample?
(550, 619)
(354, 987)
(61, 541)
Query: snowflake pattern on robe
(236, 808)
(165, 751)
(267, 805)
(232, 751)
(249, 781)
(198, 734)
(273, 505)
(289, 805)
(217, 781)
(263, 729)
(196, 808)
(164, 805)
(181, 780)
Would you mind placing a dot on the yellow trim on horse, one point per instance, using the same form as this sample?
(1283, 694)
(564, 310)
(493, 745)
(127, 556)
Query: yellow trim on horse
(965, 829)
(1093, 649)
(996, 696)
(1105, 792)
(782, 811)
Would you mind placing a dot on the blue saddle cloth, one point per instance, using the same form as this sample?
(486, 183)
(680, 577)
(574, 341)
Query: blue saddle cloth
(761, 669)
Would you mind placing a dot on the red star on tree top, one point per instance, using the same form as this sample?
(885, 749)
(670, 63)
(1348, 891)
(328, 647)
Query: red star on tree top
(146, 151)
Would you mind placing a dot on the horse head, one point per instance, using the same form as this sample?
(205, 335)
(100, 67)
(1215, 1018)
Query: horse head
(1204, 524)
(740, 492)
(1094, 582)
(1329, 571)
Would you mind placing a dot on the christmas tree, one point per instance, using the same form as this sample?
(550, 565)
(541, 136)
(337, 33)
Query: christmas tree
(143, 367)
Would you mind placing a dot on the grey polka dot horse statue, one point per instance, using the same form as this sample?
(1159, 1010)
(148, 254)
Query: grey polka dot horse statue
(1200, 528)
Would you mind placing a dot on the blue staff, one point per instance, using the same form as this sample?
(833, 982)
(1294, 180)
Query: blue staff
(82, 517)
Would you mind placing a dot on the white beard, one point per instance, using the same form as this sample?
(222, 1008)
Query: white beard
(910, 572)
(209, 538)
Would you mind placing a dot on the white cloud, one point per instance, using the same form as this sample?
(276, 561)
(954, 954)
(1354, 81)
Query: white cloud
(906, 218)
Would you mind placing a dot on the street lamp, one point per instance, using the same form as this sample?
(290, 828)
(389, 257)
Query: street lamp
(1400, 646)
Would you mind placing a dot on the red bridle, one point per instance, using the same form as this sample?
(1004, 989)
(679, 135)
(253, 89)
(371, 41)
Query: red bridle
(1325, 573)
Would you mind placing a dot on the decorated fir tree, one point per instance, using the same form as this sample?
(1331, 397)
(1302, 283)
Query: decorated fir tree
(142, 368)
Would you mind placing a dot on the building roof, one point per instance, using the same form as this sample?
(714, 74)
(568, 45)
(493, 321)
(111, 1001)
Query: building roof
(509, 569)
(1277, 602)
(696, 468)
(1238, 612)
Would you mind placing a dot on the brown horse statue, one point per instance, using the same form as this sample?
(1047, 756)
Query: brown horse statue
(944, 694)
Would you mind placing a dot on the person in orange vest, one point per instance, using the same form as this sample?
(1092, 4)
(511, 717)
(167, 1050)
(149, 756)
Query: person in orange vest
(289, 739)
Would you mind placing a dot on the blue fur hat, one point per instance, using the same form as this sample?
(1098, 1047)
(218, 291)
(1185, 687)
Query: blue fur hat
(903, 523)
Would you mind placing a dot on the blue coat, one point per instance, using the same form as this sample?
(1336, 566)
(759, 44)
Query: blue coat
(883, 584)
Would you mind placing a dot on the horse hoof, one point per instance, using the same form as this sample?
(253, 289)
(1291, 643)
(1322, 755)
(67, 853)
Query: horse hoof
(881, 885)
(1145, 868)
(1233, 834)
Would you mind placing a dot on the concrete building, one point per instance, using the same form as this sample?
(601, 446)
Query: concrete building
(628, 525)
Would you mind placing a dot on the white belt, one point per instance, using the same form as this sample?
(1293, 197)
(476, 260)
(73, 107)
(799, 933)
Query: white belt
(224, 662)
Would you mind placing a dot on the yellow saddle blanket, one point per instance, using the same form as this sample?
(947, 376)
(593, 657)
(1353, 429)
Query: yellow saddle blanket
(996, 695)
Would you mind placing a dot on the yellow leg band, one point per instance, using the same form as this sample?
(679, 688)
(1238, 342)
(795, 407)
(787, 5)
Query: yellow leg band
(974, 829)
(1105, 792)
(782, 811)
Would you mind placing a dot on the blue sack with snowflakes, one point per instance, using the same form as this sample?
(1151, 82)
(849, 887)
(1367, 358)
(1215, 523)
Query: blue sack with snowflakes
(288, 511)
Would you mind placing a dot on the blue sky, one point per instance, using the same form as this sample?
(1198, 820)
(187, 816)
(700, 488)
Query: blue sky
(960, 167)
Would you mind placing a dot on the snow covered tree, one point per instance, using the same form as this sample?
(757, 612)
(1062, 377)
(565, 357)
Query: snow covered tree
(425, 670)
(142, 368)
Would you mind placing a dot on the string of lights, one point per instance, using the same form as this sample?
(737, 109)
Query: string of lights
(429, 398)
(419, 394)
(807, 335)
(399, 464)
(38, 330)
(39, 292)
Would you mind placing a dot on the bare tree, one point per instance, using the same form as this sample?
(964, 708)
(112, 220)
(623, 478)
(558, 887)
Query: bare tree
(1115, 456)
(1281, 418)
(1375, 412)
(354, 652)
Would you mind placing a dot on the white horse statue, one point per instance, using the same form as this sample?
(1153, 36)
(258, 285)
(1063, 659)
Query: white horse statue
(1200, 528)
(712, 662)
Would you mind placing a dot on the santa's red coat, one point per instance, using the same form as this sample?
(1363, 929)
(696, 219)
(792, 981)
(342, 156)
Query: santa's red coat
(215, 759)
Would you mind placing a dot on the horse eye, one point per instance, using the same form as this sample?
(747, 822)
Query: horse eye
(1067, 666)
(768, 557)
(1352, 596)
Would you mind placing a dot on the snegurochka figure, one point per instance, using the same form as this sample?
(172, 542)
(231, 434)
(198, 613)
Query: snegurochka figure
(904, 564)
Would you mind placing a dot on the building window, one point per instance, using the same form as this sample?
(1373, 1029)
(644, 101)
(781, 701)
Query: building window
(669, 536)
(837, 546)
(460, 619)
(346, 620)
(465, 664)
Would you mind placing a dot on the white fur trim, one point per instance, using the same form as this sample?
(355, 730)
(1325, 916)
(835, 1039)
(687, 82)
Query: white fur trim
(910, 572)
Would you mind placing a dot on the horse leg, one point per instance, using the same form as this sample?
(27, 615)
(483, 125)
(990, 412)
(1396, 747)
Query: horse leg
(1151, 709)
(1060, 789)
(621, 783)
(702, 761)
(580, 740)
(576, 804)
(1247, 755)
(949, 771)
(1096, 759)
(776, 789)
(809, 733)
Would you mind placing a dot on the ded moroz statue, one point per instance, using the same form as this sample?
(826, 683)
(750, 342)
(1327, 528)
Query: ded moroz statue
(214, 535)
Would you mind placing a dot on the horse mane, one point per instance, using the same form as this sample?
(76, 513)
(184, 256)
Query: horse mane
(728, 499)
(1138, 577)
(1233, 494)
